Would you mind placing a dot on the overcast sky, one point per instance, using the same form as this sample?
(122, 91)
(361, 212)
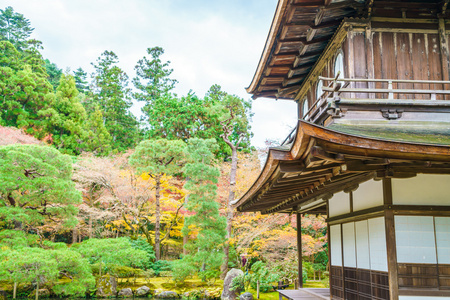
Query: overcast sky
(207, 42)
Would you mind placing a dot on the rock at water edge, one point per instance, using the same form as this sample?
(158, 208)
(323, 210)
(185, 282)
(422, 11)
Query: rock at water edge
(226, 293)
(127, 292)
(142, 291)
(167, 295)
(106, 286)
(246, 296)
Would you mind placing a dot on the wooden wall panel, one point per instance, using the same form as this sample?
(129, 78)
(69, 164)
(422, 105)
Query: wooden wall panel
(424, 276)
(420, 62)
(404, 63)
(434, 63)
(360, 65)
(377, 60)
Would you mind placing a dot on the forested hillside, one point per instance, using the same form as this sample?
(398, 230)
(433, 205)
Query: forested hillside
(89, 190)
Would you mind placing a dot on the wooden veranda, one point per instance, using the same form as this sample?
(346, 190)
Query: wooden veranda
(305, 294)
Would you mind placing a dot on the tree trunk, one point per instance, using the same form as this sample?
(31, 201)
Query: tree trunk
(185, 240)
(158, 218)
(74, 235)
(90, 226)
(37, 288)
(15, 290)
(233, 171)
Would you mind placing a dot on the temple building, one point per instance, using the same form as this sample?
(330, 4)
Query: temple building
(371, 149)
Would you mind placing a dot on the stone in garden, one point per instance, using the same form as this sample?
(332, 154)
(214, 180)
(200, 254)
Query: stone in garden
(127, 292)
(106, 286)
(142, 291)
(246, 296)
(167, 295)
(226, 293)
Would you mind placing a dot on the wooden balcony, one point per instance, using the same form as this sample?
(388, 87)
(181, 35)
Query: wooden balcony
(381, 100)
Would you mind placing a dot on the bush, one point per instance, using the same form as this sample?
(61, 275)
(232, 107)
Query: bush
(161, 266)
(265, 276)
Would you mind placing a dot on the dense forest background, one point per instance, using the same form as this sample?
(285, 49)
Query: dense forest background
(88, 189)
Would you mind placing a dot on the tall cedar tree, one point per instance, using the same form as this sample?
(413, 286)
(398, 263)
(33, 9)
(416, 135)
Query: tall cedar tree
(112, 95)
(204, 255)
(152, 80)
(65, 117)
(36, 186)
(156, 158)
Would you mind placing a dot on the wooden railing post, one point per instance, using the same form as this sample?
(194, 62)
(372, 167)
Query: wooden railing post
(391, 94)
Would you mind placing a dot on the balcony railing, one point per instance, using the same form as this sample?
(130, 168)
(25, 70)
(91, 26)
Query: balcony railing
(378, 92)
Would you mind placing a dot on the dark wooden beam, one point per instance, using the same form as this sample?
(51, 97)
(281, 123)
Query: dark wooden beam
(299, 250)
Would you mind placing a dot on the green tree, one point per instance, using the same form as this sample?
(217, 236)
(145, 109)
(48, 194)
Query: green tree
(23, 92)
(65, 116)
(54, 73)
(36, 186)
(112, 95)
(156, 158)
(14, 27)
(73, 266)
(152, 79)
(205, 254)
(96, 137)
(109, 252)
(81, 82)
(233, 114)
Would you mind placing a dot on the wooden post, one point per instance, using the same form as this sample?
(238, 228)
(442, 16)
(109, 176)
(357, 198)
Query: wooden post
(299, 250)
(257, 289)
(391, 247)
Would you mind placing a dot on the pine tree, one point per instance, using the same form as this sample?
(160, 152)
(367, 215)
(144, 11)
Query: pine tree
(205, 253)
(157, 158)
(14, 28)
(36, 186)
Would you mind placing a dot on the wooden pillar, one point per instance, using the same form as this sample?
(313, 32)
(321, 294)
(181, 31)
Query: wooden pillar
(391, 247)
(299, 250)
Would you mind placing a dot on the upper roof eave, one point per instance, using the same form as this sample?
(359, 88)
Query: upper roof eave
(347, 143)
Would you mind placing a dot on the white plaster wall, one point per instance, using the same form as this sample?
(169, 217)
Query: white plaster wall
(369, 194)
(414, 236)
(349, 247)
(424, 189)
(339, 204)
(377, 244)
(442, 227)
(336, 245)
(362, 245)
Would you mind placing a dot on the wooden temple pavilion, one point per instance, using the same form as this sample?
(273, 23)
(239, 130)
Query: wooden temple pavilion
(371, 148)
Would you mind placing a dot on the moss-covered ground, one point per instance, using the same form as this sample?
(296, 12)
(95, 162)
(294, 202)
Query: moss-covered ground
(190, 285)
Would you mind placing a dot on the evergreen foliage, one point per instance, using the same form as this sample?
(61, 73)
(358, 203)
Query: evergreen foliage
(112, 96)
(65, 116)
(157, 158)
(54, 73)
(14, 28)
(205, 251)
(36, 186)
